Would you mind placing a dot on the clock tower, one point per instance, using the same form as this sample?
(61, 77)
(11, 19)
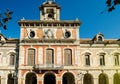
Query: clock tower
(49, 10)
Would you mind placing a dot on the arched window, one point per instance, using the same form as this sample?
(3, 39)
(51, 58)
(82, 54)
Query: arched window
(88, 79)
(49, 57)
(67, 57)
(12, 59)
(100, 39)
(117, 78)
(103, 79)
(31, 57)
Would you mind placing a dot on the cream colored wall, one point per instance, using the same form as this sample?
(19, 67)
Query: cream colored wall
(95, 69)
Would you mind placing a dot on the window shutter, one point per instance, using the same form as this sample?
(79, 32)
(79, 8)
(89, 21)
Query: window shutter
(12, 59)
(31, 57)
(49, 56)
(67, 57)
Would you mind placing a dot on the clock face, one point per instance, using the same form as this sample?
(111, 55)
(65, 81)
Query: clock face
(67, 34)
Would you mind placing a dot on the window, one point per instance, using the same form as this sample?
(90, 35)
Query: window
(32, 34)
(67, 57)
(116, 59)
(50, 15)
(100, 39)
(102, 59)
(0, 38)
(31, 57)
(49, 56)
(50, 11)
(12, 59)
(87, 59)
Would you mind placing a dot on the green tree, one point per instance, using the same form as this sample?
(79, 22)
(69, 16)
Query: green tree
(4, 18)
(111, 4)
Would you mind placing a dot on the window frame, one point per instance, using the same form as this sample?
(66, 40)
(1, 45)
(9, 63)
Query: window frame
(87, 59)
(116, 59)
(12, 59)
(102, 59)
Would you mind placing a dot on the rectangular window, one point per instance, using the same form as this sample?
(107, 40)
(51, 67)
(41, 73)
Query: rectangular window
(12, 59)
(31, 57)
(116, 58)
(68, 57)
(49, 57)
(50, 11)
(102, 60)
(87, 60)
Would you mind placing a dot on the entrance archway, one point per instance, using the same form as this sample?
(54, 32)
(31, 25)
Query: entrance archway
(49, 78)
(116, 78)
(88, 79)
(103, 79)
(31, 78)
(68, 78)
(10, 79)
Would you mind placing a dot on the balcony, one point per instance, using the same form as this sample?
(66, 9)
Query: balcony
(47, 67)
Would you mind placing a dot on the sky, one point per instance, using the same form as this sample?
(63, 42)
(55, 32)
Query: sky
(87, 11)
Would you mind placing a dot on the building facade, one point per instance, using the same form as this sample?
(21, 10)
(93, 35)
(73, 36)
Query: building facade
(8, 59)
(51, 52)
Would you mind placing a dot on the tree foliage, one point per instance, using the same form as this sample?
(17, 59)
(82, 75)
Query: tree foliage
(4, 18)
(111, 4)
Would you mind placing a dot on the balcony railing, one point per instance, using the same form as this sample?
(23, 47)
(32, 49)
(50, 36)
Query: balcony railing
(47, 66)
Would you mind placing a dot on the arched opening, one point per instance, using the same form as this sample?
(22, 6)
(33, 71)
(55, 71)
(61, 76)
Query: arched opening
(49, 78)
(117, 78)
(31, 78)
(88, 79)
(100, 39)
(68, 78)
(103, 79)
(10, 79)
(50, 15)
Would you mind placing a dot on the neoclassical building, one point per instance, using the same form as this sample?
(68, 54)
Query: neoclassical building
(8, 59)
(50, 51)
